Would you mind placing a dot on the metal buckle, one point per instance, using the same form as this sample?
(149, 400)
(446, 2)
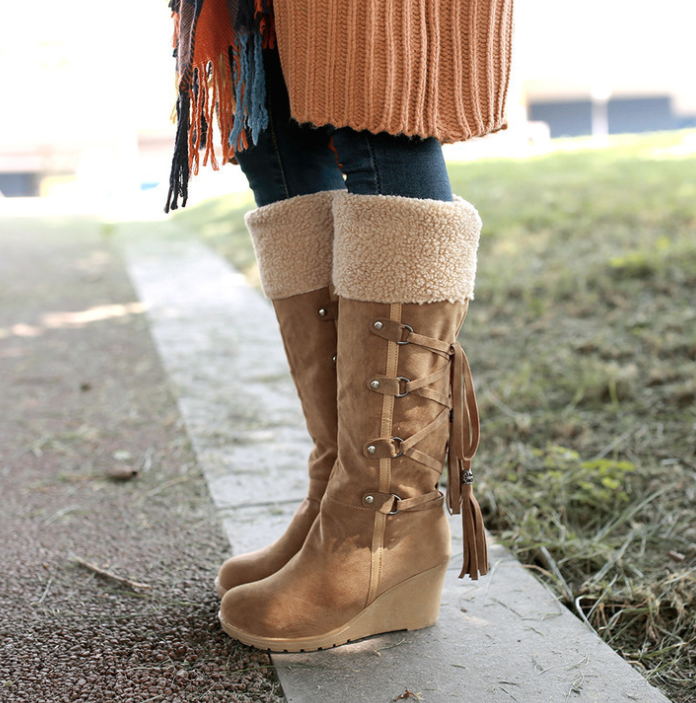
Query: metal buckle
(401, 453)
(405, 380)
(410, 329)
(397, 499)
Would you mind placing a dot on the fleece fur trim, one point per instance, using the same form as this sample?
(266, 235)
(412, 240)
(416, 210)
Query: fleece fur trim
(293, 241)
(389, 249)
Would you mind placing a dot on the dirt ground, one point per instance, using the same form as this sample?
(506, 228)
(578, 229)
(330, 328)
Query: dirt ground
(84, 397)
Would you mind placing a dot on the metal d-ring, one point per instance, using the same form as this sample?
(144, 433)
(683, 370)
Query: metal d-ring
(410, 329)
(398, 500)
(401, 453)
(405, 380)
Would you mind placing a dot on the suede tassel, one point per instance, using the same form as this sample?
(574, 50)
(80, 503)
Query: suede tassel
(464, 439)
(473, 531)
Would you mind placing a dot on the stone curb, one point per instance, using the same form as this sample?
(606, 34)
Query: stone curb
(506, 638)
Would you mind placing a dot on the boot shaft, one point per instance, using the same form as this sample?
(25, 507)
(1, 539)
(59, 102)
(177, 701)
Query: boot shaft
(394, 384)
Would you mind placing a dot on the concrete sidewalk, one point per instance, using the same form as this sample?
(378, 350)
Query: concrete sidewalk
(504, 639)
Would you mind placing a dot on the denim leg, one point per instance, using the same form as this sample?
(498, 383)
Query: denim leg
(289, 159)
(384, 164)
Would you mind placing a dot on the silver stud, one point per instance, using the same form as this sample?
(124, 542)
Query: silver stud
(369, 500)
(322, 312)
(378, 325)
(371, 449)
(374, 385)
(333, 358)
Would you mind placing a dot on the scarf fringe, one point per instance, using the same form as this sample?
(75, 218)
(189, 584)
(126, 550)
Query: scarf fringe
(179, 175)
(228, 89)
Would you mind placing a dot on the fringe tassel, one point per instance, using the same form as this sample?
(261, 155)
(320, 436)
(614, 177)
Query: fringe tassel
(229, 89)
(475, 547)
(464, 439)
(179, 175)
(251, 115)
(243, 71)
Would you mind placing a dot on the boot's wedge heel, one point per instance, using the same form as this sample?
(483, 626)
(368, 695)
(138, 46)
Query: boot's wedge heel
(411, 605)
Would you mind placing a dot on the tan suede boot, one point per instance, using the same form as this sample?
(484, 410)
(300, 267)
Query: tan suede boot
(375, 558)
(293, 243)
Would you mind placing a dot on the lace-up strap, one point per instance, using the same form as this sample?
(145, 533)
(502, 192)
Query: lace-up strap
(403, 334)
(401, 386)
(465, 431)
(391, 504)
(395, 447)
(464, 441)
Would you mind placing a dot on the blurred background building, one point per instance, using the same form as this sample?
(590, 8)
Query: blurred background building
(87, 95)
(611, 66)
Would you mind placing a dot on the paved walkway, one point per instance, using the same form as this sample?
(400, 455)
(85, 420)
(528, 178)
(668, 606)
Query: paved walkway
(503, 639)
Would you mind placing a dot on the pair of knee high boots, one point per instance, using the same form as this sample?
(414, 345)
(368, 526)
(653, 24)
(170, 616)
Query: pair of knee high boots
(370, 293)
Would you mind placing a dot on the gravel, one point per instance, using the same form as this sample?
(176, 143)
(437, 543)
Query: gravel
(84, 405)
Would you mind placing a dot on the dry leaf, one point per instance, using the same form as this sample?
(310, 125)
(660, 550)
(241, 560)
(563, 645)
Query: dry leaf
(122, 473)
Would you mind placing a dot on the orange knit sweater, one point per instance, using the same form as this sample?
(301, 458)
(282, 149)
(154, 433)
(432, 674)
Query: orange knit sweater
(429, 68)
(435, 68)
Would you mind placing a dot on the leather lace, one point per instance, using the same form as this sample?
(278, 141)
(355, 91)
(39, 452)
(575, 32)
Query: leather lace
(462, 411)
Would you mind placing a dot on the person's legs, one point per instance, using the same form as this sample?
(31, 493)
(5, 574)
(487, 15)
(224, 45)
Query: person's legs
(294, 176)
(289, 159)
(293, 241)
(384, 164)
(403, 264)
(376, 556)
(404, 261)
(294, 173)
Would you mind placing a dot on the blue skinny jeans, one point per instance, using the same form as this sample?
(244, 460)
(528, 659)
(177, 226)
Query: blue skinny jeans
(291, 159)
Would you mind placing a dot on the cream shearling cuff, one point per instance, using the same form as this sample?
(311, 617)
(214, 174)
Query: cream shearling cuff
(389, 249)
(293, 241)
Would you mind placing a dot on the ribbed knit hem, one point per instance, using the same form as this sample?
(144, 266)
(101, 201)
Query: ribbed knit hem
(293, 241)
(389, 249)
(434, 68)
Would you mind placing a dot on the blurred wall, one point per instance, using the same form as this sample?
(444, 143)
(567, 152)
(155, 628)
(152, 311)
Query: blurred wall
(81, 80)
(574, 49)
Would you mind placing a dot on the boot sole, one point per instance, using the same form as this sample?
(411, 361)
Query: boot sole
(411, 605)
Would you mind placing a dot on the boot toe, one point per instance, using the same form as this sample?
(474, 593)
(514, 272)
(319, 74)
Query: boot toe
(261, 614)
(241, 569)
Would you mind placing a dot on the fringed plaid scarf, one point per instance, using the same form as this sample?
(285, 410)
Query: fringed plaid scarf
(218, 47)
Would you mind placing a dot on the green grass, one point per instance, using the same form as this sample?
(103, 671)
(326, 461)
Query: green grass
(582, 340)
